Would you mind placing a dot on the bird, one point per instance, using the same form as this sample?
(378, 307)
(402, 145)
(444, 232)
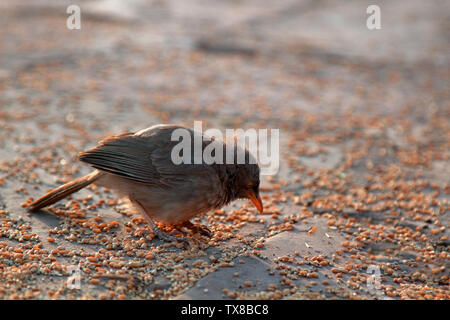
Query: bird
(139, 166)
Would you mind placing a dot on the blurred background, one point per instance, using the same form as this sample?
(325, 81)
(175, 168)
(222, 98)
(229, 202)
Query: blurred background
(307, 67)
(239, 63)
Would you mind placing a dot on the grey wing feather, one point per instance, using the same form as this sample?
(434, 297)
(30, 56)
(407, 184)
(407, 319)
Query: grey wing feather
(143, 157)
(126, 155)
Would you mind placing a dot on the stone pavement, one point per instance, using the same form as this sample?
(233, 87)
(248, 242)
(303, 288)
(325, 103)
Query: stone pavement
(359, 208)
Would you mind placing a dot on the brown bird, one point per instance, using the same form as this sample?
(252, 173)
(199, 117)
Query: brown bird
(139, 166)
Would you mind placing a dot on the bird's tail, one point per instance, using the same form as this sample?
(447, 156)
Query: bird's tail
(63, 191)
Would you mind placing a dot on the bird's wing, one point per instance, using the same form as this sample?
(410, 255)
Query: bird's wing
(125, 155)
(144, 158)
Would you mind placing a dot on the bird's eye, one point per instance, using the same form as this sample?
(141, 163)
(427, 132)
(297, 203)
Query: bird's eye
(250, 186)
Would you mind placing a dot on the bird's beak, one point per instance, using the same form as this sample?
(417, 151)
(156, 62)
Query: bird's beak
(256, 199)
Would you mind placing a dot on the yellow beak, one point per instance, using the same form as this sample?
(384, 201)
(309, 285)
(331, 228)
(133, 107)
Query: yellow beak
(256, 199)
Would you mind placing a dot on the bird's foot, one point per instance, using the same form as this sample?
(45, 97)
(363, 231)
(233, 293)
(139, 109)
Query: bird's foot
(160, 234)
(196, 228)
(167, 237)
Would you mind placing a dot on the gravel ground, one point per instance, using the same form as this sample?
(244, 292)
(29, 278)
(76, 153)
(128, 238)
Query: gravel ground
(358, 210)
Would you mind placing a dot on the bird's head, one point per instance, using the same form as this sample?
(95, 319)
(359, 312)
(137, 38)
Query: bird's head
(246, 184)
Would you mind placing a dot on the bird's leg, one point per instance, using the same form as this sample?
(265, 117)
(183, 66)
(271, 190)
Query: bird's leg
(161, 235)
(203, 230)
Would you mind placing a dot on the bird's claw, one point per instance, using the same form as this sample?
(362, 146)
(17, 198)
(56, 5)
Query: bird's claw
(203, 230)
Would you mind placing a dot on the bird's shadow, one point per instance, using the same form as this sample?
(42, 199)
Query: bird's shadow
(46, 217)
